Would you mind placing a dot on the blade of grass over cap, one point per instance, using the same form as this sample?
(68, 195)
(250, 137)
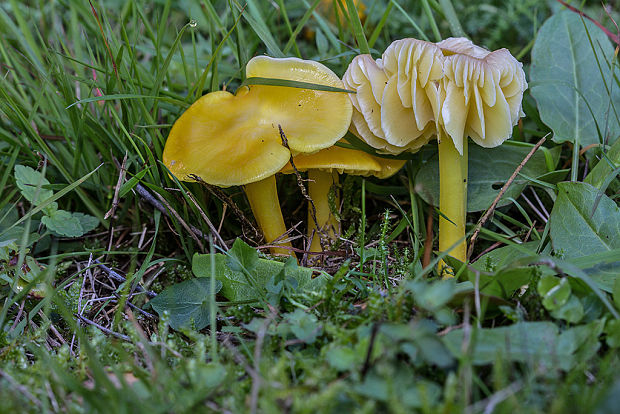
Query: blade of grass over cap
(292, 84)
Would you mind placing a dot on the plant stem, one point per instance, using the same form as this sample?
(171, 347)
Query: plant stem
(452, 197)
(319, 184)
(263, 198)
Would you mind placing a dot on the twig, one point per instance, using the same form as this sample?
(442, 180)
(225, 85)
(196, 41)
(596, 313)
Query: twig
(176, 215)
(428, 243)
(227, 201)
(490, 403)
(302, 187)
(371, 344)
(540, 203)
(119, 278)
(122, 170)
(119, 183)
(148, 197)
(103, 328)
(491, 209)
(214, 231)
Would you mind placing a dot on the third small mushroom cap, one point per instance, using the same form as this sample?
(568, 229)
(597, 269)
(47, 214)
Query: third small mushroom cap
(323, 168)
(228, 139)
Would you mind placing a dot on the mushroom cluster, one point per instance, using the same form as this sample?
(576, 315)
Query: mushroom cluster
(450, 90)
(227, 140)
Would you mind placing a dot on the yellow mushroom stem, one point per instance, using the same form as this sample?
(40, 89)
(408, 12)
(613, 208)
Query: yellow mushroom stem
(452, 198)
(319, 185)
(263, 198)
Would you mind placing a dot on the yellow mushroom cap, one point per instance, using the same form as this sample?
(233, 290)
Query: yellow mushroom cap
(481, 93)
(345, 160)
(228, 139)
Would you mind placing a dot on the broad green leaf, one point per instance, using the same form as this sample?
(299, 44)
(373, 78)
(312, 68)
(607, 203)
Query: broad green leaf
(578, 344)
(401, 384)
(554, 291)
(9, 216)
(303, 325)
(499, 275)
(419, 340)
(187, 303)
(242, 257)
(30, 182)
(344, 359)
(601, 171)
(577, 232)
(236, 286)
(572, 311)
(612, 329)
(571, 80)
(521, 342)
(499, 258)
(489, 169)
(616, 293)
(88, 222)
(63, 223)
(432, 295)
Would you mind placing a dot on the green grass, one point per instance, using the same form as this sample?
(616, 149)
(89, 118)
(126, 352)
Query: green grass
(377, 338)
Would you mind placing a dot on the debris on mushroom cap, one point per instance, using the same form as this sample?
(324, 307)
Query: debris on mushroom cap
(228, 139)
(345, 160)
(481, 93)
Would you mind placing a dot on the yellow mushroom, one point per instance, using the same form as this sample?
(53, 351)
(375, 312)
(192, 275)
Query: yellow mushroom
(228, 139)
(323, 168)
(453, 90)
(481, 95)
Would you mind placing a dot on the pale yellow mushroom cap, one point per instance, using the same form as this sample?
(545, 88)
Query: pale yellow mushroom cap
(228, 139)
(411, 95)
(397, 96)
(481, 93)
(368, 81)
